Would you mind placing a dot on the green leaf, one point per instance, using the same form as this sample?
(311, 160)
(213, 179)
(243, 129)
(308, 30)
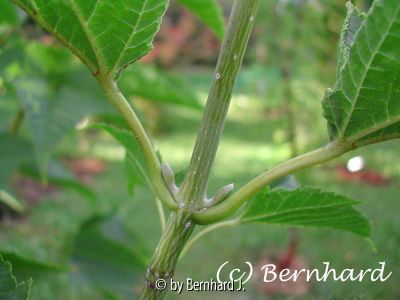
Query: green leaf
(59, 175)
(52, 113)
(8, 14)
(208, 11)
(106, 35)
(363, 107)
(136, 162)
(10, 289)
(106, 257)
(45, 236)
(140, 80)
(133, 173)
(14, 151)
(306, 207)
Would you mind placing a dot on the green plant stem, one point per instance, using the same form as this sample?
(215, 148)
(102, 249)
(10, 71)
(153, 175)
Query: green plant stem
(204, 232)
(194, 186)
(180, 225)
(163, 263)
(161, 214)
(114, 95)
(230, 205)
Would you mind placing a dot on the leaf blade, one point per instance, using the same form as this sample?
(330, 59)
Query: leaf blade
(364, 101)
(209, 12)
(105, 35)
(10, 289)
(307, 207)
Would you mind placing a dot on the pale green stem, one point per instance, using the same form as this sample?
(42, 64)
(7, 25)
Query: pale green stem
(194, 187)
(180, 225)
(230, 205)
(161, 214)
(204, 232)
(114, 95)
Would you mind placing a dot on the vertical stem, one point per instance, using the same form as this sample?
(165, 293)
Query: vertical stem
(194, 186)
(180, 225)
(163, 263)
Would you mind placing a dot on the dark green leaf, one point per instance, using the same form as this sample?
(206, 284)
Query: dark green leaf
(363, 107)
(307, 207)
(106, 257)
(106, 35)
(10, 289)
(208, 11)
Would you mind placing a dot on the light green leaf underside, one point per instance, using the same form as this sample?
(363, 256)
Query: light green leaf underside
(9, 288)
(364, 105)
(209, 12)
(307, 207)
(107, 35)
(136, 161)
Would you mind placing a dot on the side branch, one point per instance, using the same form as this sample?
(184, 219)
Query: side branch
(234, 202)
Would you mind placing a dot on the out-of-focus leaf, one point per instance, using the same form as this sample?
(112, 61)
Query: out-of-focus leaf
(8, 14)
(14, 151)
(136, 162)
(106, 35)
(51, 114)
(10, 289)
(59, 175)
(307, 207)
(45, 236)
(208, 11)
(48, 283)
(133, 173)
(107, 257)
(363, 107)
(154, 84)
(54, 93)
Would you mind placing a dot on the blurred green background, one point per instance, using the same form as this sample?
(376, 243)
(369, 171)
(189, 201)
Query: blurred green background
(82, 228)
